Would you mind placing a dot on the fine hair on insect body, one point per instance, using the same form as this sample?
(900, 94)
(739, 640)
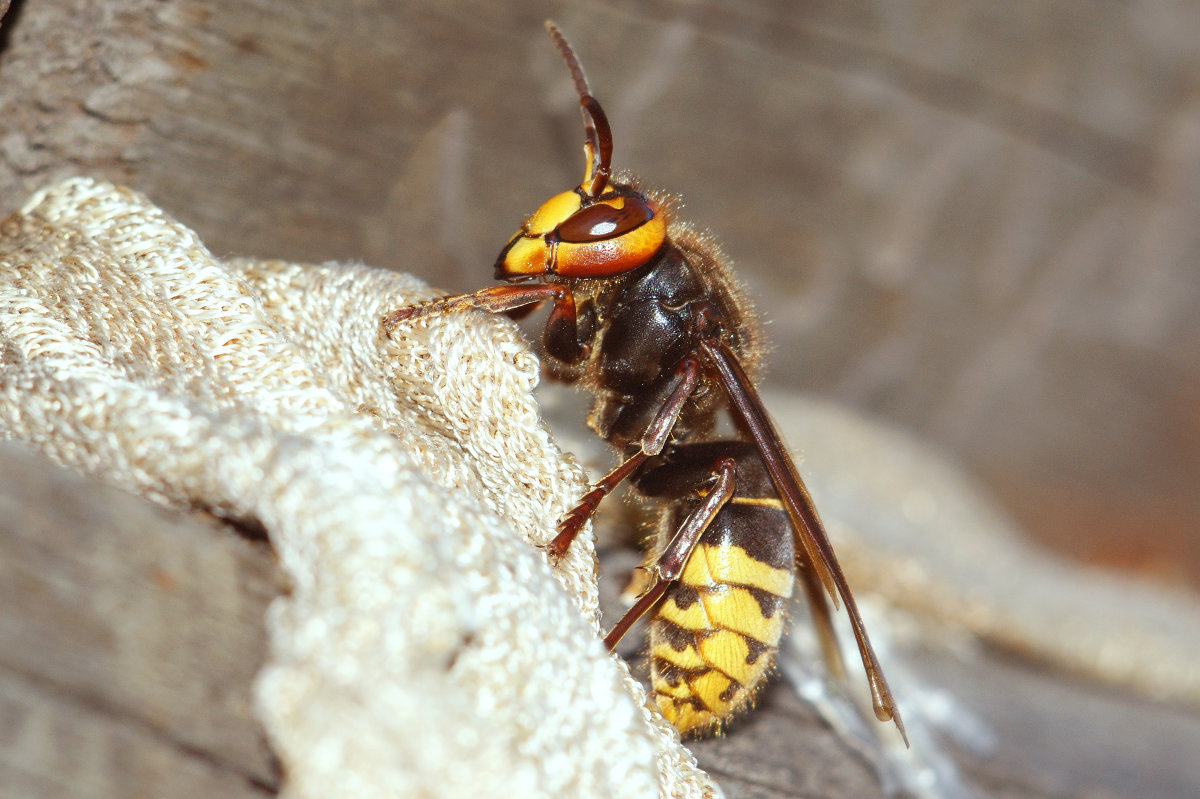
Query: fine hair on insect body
(646, 314)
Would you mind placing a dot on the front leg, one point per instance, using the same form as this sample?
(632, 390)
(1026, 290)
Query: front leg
(493, 299)
(561, 328)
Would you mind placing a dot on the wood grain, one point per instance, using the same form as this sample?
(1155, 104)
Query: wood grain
(978, 222)
(129, 638)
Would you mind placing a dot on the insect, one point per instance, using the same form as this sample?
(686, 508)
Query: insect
(646, 314)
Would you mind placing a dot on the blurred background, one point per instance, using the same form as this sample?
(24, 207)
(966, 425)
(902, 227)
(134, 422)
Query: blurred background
(975, 221)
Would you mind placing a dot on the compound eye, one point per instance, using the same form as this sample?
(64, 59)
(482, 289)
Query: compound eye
(602, 221)
(608, 237)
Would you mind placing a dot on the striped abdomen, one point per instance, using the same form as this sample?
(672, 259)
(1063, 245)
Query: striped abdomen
(713, 636)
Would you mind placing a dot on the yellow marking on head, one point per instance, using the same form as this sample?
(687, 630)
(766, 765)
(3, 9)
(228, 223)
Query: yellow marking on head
(693, 618)
(552, 213)
(730, 564)
(764, 502)
(525, 256)
(736, 609)
(708, 688)
(688, 659)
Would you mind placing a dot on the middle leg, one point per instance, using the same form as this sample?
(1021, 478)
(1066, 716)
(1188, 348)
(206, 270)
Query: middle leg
(655, 438)
(674, 557)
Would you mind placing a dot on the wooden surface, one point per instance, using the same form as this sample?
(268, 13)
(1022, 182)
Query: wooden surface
(1052, 735)
(978, 221)
(1054, 738)
(129, 637)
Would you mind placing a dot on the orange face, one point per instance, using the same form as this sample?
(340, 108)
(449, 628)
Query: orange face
(573, 236)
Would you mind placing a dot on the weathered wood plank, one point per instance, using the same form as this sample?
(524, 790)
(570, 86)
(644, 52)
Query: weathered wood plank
(960, 217)
(130, 635)
(129, 638)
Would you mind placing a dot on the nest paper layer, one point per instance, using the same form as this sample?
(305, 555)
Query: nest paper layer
(426, 648)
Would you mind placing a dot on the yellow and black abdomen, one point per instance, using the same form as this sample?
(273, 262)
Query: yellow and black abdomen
(715, 632)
